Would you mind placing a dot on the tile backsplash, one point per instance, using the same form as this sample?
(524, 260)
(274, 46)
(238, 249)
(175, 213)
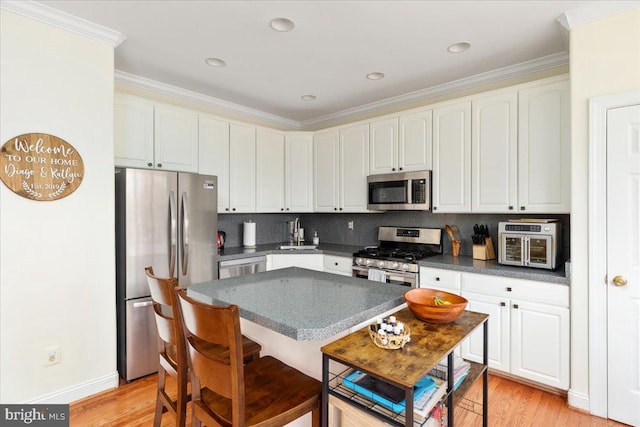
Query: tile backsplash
(333, 228)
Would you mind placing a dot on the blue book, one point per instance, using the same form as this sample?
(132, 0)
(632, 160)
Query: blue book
(384, 393)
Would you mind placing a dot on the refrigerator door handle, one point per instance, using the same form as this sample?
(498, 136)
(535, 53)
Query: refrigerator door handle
(173, 238)
(142, 304)
(185, 233)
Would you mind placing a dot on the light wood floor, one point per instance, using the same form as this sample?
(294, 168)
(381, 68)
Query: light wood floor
(511, 404)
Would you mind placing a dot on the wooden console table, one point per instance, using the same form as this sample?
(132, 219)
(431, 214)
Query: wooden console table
(429, 344)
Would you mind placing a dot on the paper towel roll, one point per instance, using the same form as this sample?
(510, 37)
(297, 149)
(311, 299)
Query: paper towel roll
(249, 234)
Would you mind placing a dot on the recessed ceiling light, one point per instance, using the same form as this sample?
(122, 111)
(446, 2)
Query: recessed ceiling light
(459, 47)
(375, 76)
(215, 62)
(308, 97)
(282, 24)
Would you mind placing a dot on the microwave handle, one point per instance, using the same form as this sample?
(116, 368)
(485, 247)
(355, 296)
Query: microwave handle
(525, 252)
(409, 191)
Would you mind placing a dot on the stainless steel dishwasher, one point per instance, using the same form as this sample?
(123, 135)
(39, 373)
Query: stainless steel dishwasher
(239, 267)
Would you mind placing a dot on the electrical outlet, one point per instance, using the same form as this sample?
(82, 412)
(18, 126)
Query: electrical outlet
(350, 225)
(52, 355)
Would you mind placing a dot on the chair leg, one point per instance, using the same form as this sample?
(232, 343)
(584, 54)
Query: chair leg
(157, 418)
(181, 402)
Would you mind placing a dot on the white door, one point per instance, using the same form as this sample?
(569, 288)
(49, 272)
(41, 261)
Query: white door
(623, 263)
(298, 172)
(242, 168)
(213, 155)
(415, 145)
(354, 168)
(326, 173)
(383, 146)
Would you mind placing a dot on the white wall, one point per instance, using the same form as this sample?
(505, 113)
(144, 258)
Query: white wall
(57, 268)
(605, 59)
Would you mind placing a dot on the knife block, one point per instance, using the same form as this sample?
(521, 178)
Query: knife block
(484, 252)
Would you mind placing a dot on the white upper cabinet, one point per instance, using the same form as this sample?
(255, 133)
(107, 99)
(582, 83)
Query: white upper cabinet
(213, 155)
(383, 146)
(326, 172)
(354, 168)
(452, 158)
(133, 132)
(494, 153)
(242, 168)
(176, 139)
(298, 171)
(401, 144)
(415, 141)
(544, 162)
(270, 171)
(341, 166)
(154, 136)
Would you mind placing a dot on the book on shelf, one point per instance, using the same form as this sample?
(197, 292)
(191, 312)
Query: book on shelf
(460, 370)
(387, 395)
(428, 393)
(424, 406)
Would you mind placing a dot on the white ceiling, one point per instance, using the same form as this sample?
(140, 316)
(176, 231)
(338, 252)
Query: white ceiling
(334, 45)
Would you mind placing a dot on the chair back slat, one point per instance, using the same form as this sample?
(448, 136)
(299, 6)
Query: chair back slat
(207, 324)
(160, 292)
(165, 324)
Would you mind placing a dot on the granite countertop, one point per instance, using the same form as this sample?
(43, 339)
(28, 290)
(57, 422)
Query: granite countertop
(272, 248)
(302, 304)
(491, 267)
(448, 262)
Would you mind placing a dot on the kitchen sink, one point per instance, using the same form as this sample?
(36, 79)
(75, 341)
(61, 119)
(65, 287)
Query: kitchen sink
(298, 247)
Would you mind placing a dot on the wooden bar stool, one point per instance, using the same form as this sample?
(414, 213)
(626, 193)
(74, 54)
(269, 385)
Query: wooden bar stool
(265, 392)
(172, 349)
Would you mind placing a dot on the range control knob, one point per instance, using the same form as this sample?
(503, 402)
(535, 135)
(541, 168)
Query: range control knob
(405, 266)
(358, 261)
(368, 261)
(380, 263)
(395, 265)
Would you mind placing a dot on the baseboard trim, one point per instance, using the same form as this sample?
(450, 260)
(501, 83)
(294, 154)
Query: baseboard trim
(78, 391)
(578, 401)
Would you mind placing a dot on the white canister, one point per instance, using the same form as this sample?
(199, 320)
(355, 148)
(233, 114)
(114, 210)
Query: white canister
(249, 234)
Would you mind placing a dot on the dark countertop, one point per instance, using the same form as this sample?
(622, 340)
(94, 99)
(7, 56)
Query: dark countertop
(447, 262)
(302, 304)
(491, 267)
(272, 248)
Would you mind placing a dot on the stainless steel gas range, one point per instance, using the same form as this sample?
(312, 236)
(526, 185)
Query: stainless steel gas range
(395, 259)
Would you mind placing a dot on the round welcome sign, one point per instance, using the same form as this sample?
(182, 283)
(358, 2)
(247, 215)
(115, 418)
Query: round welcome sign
(39, 166)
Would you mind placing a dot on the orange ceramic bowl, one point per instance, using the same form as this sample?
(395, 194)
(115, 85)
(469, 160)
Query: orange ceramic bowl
(422, 305)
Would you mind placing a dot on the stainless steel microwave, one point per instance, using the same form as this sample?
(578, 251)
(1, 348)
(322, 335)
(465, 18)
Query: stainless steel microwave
(530, 244)
(403, 191)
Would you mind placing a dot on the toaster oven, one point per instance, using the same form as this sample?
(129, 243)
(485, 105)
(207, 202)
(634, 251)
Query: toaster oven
(530, 244)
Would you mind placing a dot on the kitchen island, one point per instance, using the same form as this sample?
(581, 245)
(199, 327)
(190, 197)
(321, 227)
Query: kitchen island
(299, 308)
(293, 312)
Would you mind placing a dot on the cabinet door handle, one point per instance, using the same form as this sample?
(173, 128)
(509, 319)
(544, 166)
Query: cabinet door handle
(503, 304)
(159, 165)
(226, 209)
(340, 208)
(336, 263)
(435, 208)
(281, 209)
(521, 208)
(437, 279)
(509, 289)
(399, 168)
(515, 305)
(335, 209)
(510, 208)
(233, 209)
(150, 164)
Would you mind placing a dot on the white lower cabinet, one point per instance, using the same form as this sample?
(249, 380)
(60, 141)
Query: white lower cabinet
(528, 327)
(309, 261)
(442, 280)
(338, 265)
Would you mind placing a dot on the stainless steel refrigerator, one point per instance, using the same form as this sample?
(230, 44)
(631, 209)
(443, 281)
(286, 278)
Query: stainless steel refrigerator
(167, 220)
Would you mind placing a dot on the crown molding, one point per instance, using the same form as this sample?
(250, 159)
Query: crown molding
(514, 71)
(55, 18)
(595, 11)
(187, 95)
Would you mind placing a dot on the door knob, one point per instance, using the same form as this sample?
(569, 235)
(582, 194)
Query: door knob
(619, 281)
